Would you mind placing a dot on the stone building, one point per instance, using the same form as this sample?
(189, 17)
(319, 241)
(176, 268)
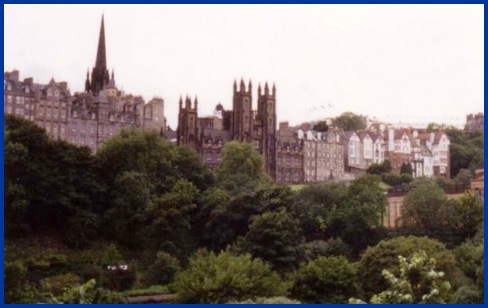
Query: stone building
(475, 122)
(86, 118)
(207, 135)
(308, 156)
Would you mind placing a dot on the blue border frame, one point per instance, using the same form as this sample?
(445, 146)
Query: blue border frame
(215, 2)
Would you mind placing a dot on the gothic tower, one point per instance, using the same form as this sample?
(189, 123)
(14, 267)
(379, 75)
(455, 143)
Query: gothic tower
(99, 76)
(242, 117)
(187, 131)
(267, 114)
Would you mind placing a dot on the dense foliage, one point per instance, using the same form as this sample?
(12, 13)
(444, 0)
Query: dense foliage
(143, 216)
(222, 278)
(350, 121)
(326, 280)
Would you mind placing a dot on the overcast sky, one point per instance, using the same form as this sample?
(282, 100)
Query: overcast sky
(409, 63)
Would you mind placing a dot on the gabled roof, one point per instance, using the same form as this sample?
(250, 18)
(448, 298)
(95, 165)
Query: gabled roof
(363, 134)
(376, 136)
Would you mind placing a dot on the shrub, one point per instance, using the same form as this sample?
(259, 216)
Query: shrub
(385, 256)
(223, 278)
(57, 284)
(15, 288)
(87, 293)
(119, 279)
(330, 280)
(334, 246)
(81, 229)
(467, 295)
(163, 270)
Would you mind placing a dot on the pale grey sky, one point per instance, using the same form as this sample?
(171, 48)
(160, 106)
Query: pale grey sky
(409, 63)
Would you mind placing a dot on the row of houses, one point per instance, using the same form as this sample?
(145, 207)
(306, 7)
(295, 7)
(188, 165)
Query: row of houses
(84, 119)
(305, 155)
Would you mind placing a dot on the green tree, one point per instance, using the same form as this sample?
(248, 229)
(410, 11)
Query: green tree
(143, 152)
(365, 192)
(326, 280)
(334, 246)
(425, 206)
(470, 257)
(124, 222)
(241, 168)
(164, 269)
(379, 169)
(466, 213)
(466, 151)
(230, 220)
(112, 256)
(209, 201)
(223, 278)
(350, 121)
(170, 227)
(314, 203)
(275, 237)
(463, 177)
(391, 179)
(189, 166)
(46, 181)
(81, 229)
(321, 126)
(385, 256)
(467, 295)
(352, 226)
(419, 282)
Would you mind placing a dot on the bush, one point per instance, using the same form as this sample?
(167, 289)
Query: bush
(57, 284)
(334, 246)
(16, 291)
(391, 179)
(385, 256)
(467, 295)
(325, 280)
(119, 279)
(223, 278)
(87, 294)
(81, 229)
(163, 270)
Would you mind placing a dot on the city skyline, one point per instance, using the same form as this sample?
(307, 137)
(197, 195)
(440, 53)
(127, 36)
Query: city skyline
(395, 63)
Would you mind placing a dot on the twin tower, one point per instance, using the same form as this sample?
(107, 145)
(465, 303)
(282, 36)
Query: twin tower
(242, 123)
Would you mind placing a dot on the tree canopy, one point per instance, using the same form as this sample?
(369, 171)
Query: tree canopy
(350, 121)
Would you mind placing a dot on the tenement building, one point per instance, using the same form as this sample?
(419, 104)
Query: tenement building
(207, 135)
(86, 118)
(306, 155)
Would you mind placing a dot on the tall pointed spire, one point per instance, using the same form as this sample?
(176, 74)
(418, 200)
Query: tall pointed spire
(87, 81)
(101, 62)
(100, 76)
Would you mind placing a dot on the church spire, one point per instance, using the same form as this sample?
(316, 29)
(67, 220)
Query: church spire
(100, 76)
(101, 62)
